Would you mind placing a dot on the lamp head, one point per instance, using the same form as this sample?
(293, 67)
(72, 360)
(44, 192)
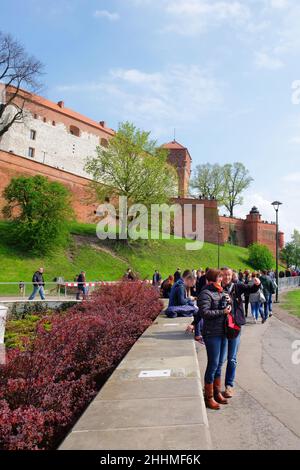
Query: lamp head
(276, 205)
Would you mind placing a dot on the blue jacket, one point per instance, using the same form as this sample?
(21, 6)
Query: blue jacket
(178, 295)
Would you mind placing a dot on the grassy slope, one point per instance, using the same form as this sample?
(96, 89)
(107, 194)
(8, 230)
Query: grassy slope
(291, 302)
(143, 257)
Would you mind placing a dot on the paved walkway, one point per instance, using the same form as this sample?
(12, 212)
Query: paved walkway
(265, 412)
(136, 412)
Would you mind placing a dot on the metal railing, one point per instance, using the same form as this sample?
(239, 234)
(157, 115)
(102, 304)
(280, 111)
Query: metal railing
(288, 282)
(52, 290)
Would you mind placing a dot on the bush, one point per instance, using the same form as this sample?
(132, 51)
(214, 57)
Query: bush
(46, 387)
(260, 257)
(40, 210)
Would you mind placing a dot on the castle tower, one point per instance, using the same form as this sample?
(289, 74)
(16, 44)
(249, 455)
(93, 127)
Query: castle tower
(180, 159)
(253, 220)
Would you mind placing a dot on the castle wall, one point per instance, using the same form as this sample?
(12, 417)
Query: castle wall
(54, 144)
(12, 166)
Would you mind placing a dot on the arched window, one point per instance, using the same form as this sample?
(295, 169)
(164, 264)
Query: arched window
(75, 131)
(104, 142)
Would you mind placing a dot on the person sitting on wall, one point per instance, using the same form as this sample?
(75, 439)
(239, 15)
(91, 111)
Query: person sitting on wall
(177, 275)
(166, 287)
(180, 305)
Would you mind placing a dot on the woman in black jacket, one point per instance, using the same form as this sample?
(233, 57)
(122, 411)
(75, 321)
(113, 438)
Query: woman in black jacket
(214, 306)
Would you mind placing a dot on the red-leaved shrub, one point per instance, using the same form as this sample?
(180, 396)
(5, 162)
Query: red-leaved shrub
(44, 389)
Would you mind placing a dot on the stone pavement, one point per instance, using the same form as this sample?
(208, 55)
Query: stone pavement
(136, 412)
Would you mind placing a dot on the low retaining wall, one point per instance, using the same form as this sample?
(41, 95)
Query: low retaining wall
(153, 400)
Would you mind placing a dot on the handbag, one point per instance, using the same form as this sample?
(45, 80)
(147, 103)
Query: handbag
(262, 298)
(232, 330)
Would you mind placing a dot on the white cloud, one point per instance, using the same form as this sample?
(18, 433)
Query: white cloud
(265, 61)
(111, 16)
(292, 178)
(279, 4)
(177, 95)
(191, 17)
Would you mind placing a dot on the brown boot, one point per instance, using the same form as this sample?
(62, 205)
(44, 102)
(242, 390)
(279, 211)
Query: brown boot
(217, 392)
(209, 397)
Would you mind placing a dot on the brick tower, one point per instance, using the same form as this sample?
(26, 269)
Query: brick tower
(180, 158)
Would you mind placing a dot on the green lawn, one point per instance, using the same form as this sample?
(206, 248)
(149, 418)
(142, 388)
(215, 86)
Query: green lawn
(291, 302)
(143, 256)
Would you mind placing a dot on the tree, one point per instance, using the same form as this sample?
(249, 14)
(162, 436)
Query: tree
(236, 180)
(132, 165)
(208, 181)
(260, 257)
(40, 210)
(290, 254)
(17, 69)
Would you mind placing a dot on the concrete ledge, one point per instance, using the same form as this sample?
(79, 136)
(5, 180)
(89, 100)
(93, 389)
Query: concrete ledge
(149, 413)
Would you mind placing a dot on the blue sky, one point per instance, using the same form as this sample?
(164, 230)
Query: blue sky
(219, 71)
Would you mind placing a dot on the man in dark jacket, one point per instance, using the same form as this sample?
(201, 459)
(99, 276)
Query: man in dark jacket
(156, 279)
(81, 280)
(38, 284)
(235, 292)
(177, 275)
(268, 290)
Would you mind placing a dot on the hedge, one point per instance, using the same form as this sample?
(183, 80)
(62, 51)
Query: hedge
(46, 386)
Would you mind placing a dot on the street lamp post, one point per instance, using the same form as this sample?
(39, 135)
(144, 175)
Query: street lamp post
(219, 233)
(276, 205)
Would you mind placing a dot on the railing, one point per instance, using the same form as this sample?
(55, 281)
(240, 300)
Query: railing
(67, 290)
(52, 290)
(288, 282)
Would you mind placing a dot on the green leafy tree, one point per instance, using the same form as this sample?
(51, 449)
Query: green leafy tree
(40, 210)
(132, 165)
(260, 257)
(208, 181)
(290, 254)
(236, 180)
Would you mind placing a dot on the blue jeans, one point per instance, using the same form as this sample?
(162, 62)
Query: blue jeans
(233, 347)
(36, 289)
(216, 349)
(198, 327)
(256, 309)
(270, 302)
(266, 309)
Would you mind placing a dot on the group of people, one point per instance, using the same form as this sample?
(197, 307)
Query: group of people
(261, 301)
(218, 301)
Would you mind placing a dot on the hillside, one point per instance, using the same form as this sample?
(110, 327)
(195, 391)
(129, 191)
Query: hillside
(108, 261)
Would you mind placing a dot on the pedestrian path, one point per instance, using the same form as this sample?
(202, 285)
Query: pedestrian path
(153, 400)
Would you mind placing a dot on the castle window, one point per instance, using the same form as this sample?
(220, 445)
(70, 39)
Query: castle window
(44, 119)
(35, 116)
(75, 131)
(32, 134)
(31, 152)
(53, 123)
(104, 142)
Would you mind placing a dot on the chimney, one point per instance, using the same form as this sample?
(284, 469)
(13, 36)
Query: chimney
(102, 123)
(61, 104)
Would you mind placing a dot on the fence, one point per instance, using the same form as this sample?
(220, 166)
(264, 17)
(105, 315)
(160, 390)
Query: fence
(60, 290)
(289, 282)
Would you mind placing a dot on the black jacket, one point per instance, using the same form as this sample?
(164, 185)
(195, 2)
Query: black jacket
(267, 285)
(200, 283)
(38, 279)
(209, 302)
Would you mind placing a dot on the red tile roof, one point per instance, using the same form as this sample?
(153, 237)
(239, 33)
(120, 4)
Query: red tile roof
(174, 145)
(39, 100)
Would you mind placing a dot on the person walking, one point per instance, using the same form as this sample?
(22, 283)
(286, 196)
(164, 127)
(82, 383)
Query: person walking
(256, 300)
(156, 279)
(81, 289)
(246, 296)
(214, 313)
(268, 290)
(38, 284)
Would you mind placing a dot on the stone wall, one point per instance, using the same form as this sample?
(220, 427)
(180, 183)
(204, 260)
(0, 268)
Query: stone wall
(12, 165)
